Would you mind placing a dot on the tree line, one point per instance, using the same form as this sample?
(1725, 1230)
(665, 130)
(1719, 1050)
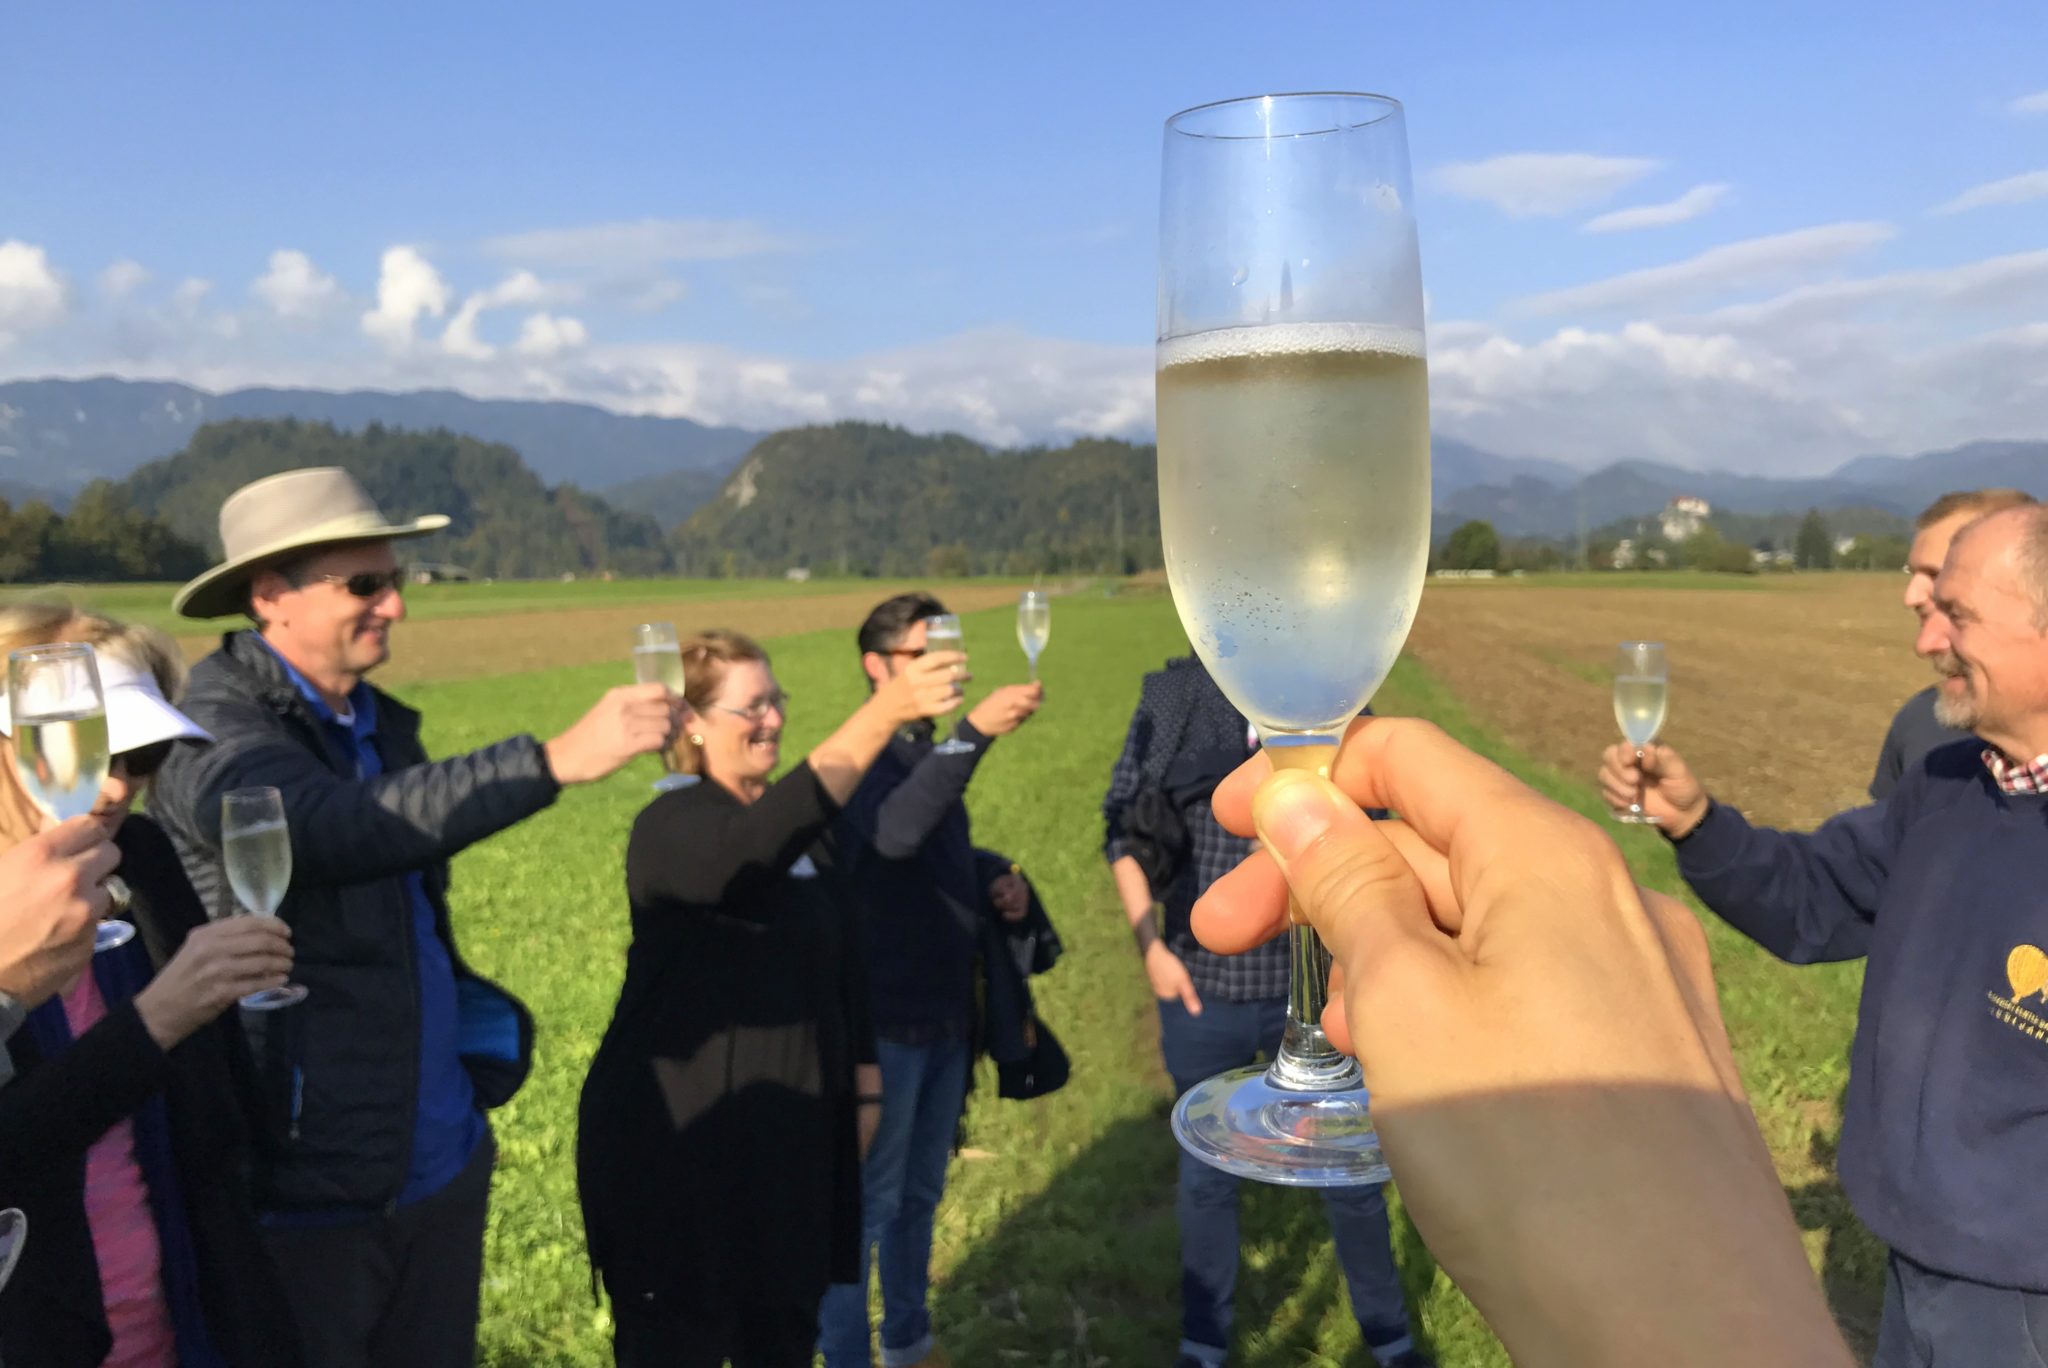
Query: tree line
(101, 537)
(1718, 547)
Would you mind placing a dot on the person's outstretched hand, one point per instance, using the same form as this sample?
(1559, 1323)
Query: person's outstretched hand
(1549, 1071)
(1668, 789)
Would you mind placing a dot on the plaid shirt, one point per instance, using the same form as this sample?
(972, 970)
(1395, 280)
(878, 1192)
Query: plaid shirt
(2014, 778)
(1181, 709)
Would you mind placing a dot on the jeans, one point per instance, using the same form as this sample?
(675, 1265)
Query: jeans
(1934, 1321)
(1229, 1035)
(923, 1088)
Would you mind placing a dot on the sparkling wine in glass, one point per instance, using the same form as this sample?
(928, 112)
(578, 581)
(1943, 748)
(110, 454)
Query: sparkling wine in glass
(942, 633)
(59, 719)
(658, 659)
(1034, 625)
(1641, 687)
(1294, 501)
(257, 847)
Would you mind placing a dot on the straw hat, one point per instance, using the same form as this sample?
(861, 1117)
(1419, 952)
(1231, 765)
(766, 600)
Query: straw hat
(281, 514)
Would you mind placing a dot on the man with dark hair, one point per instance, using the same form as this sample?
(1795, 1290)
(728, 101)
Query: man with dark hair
(1219, 1012)
(374, 1157)
(1915, 730)
(1944, 1139)
(910, 863)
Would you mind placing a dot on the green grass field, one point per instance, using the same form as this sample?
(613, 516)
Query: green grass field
(1056, 1244)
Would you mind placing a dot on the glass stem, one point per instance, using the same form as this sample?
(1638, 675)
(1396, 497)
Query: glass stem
(1635, 809)
(1307, 1061)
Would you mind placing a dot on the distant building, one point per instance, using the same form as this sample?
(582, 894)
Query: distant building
(432, 572)
(1684, 516)
(1624, 556)
(1843, 545)
(797, 574)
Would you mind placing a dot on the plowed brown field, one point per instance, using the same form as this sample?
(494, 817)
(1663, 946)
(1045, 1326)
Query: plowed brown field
(1780, 690)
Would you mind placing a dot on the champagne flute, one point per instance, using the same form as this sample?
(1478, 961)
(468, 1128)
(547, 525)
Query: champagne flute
(13, 1234)
(59, 717)
(1034, 626)
(1641, 685)
(257, 847)
(942, 633)
(658, 659)
(1294, 501)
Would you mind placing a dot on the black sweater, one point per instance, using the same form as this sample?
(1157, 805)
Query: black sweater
(717, 1154)
(51, 1313)
(910, 862)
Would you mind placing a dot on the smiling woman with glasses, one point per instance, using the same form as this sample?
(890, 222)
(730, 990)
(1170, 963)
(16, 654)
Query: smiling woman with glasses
(724, 1119)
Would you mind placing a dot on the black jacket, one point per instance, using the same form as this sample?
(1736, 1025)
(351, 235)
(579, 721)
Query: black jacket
(717, 1152)
(51, 1312)
(337, 1075)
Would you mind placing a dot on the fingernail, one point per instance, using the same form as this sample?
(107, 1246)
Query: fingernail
(1292, 810)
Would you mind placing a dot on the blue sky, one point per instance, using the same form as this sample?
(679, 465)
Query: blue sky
(945, 215)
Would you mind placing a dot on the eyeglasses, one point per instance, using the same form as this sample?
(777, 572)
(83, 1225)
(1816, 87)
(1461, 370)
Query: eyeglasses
(759, 708)
(364, 584)
(144, 761)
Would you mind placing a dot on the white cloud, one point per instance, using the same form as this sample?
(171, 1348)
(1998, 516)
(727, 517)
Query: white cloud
(2020, 189)
(1935, 296)
(32, 293)
(1534, 184)
(408, 288)
(122, 278)
(1686, 207)
(544, 334)
(649, 295)
(642, 242)
(295, 288)
(1734, 265)
(2036, 103)
(191, 293)
(519, 288)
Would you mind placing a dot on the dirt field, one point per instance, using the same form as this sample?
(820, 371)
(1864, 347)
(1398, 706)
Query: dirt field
(1780, 690)
(515, 642)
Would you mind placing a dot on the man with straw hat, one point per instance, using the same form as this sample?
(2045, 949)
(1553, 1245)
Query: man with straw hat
(374, 1160)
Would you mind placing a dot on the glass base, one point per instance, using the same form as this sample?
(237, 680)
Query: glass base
(668, 783)
(270, 999)
(1633, 817)
(1240, 1123)
(953, 745)
(111, 935)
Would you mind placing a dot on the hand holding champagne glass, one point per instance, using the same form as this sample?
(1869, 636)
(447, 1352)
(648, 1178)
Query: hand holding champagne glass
(658, 659)
(58, 717)
(256, 845)
(1294, 505)
(942, 633)
(1034, 626)
(1641, 685)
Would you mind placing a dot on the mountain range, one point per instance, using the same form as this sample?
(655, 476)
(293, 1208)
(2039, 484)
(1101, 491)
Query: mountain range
(57, 435)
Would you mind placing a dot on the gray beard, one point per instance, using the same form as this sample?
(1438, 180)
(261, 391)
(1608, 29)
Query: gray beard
(1957, 712)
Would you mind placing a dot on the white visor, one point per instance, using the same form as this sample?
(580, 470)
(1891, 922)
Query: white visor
(137, 713)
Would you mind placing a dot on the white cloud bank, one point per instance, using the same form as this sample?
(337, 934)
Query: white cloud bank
(294, 287)
(2020, 189)
(1735, 265)
(32, 294)
(122, 278)
(1539, 184)
(408, 289)
(1685, 208)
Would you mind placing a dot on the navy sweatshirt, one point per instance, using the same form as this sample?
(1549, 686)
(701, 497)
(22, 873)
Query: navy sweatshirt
(910, 864)
(1945, 1132)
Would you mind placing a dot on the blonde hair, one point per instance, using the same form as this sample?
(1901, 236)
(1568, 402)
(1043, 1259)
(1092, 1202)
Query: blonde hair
(38, 622)
(706, 658)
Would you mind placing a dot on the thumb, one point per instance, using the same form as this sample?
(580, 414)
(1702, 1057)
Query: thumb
(1348, 879)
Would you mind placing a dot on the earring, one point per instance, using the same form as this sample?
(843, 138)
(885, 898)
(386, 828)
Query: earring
(696, 740)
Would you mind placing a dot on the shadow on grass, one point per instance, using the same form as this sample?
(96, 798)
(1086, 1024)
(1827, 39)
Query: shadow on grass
(1086, 1273)
(1852, 1271)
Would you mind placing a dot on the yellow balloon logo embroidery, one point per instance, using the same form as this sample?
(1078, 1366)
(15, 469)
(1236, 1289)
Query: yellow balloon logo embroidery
(2026, 969)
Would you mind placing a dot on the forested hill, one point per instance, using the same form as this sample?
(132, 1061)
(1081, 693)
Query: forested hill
(858, 498)
(505, 522)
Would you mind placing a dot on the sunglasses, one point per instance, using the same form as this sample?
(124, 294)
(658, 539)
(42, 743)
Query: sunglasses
(144, 761)
(365, 584)
(757, 709)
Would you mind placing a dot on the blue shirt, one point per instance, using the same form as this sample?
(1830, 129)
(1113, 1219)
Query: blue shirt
(447, 1126)
(1945, 886)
